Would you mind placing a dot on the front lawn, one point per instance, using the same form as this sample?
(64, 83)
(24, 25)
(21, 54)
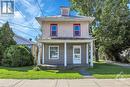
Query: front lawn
(28, 73)
(103, 71)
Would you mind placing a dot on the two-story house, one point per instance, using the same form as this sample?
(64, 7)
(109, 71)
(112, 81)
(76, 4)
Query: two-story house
(65, 40)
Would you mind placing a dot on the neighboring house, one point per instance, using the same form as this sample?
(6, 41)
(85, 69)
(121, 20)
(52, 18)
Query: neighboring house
(22, 41)
(65, 40)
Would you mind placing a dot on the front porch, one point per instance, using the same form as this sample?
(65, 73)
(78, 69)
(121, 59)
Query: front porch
(67, 54)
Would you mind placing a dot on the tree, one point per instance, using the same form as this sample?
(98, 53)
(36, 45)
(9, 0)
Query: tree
(6, 35)
(6, 38)
(112, 24)
(17, 55)
(114, 30)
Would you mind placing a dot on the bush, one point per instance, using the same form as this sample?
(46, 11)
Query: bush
(1, 53)
(36, 68)
(17, 55)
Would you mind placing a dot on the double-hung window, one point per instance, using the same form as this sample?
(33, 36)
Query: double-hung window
(53, 30)
(76, 29)
(53, 52)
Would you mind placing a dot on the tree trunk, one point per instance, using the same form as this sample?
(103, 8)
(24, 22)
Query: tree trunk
(96, 55)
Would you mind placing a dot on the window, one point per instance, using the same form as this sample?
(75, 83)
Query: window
(53, 31)
(76, 29)
(53, 52)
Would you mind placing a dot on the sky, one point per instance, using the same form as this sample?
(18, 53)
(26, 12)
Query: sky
(23, 22)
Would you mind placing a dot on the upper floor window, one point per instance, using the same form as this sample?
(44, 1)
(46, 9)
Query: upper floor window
(76, 29)
(53, 31)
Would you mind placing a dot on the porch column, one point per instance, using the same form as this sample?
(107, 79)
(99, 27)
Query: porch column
(65, 55)
(87, 53)
(39, 53)
(91, 54)
(43, 53)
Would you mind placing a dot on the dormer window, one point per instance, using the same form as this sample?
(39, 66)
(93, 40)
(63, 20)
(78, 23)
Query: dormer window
(76, 28)
(53, 30)
(65, 11)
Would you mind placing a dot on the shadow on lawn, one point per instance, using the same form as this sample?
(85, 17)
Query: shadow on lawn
(108, 69)
(27, 68)
(21, 69)
(60, 69)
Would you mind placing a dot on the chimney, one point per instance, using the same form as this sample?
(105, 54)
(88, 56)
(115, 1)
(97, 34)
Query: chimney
(65, 11)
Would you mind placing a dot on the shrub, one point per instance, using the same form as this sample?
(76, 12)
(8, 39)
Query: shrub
(36, 68)
(17, 55)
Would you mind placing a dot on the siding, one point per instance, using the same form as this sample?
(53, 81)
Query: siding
(60, 61)
(70, 53)
(65, 29)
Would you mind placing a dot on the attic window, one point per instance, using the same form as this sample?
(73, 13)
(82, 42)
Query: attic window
(65, 11)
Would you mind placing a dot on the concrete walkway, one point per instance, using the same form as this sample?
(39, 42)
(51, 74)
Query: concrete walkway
(65, 83)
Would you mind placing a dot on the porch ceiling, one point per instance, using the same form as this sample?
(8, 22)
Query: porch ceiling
(67, 40)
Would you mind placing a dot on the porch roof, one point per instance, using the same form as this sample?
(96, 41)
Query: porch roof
(66, 39)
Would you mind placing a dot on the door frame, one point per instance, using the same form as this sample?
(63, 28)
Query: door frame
(76, 46)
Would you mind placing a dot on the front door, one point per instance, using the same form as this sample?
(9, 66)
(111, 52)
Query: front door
(76, 54)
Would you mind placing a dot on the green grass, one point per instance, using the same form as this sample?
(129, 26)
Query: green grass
(28, 73)
(100, 70)
(108, 71)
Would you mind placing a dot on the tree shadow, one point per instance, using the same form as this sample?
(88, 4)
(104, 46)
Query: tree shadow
(20, 69)
(108, 69)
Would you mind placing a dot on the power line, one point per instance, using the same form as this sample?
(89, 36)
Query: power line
(25, 18)
(21, 31)
(20, 25)
(36, 1)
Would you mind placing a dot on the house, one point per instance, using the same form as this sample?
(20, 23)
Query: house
(23, 41)
(65, 40)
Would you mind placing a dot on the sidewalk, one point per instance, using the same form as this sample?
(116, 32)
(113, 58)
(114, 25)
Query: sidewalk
(65, 83)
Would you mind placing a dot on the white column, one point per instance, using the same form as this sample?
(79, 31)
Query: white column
(91, 54)
(39, 53)
(43, 53)
(65, 55)
(87, 53)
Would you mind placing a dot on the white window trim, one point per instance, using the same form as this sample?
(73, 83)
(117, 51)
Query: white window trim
(49, 52)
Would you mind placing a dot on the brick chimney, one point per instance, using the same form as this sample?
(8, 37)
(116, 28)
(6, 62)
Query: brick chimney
(65, 11)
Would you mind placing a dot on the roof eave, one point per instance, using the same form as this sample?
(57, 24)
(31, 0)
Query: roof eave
(41, 19)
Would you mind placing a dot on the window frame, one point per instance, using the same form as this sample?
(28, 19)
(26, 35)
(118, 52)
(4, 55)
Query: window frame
(52, 31)
(75, 30)
(50, 52)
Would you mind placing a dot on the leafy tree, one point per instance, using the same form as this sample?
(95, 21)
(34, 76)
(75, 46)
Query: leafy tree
(6, 38)
(111, 26)
(6, 35)
(17, 55)
(114, 30)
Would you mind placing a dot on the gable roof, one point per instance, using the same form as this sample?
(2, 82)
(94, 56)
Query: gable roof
(22, 41)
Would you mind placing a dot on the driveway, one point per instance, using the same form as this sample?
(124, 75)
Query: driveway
(65, 83)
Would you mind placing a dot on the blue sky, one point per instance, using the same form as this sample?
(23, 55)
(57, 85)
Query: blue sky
(23, 21)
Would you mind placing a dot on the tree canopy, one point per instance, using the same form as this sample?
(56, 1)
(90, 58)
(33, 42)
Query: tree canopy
(6, 38)
(112, 25)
